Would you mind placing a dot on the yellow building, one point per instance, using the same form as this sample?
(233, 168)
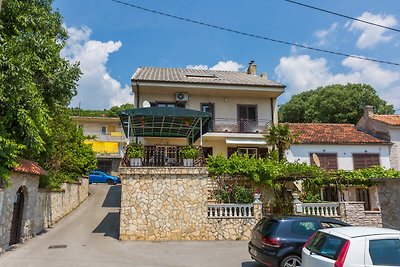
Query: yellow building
(107, 139)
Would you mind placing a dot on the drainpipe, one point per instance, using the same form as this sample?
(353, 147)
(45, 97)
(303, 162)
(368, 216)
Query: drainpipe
(137, 94)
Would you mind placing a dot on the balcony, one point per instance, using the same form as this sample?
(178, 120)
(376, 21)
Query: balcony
(226, 125)
(107, 136)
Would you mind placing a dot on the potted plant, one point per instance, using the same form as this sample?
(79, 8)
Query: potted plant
(257, 195)
(135, 153)
(188, 154)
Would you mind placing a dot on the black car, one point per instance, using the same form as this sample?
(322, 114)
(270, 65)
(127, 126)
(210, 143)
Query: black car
(277, 241)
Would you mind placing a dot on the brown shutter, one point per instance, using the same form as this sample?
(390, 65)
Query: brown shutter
(328, 160)
(362, 161)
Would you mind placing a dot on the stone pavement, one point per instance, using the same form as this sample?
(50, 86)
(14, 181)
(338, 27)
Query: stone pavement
(89, 237)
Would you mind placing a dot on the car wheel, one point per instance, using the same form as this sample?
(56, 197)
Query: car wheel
(291, 261)
(110, 181)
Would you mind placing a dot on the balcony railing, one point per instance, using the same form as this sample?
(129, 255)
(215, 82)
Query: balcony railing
(107, 136)
(230, 211)
(238, 125)
(329, 209)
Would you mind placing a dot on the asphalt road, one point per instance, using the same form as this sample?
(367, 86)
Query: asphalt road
(89, 237)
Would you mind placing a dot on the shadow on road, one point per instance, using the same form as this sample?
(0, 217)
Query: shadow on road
(251, 264)
(109, 225)
(113, 198)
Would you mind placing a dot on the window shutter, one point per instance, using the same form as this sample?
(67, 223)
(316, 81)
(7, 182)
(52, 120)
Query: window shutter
(328, 160)
(362, 161)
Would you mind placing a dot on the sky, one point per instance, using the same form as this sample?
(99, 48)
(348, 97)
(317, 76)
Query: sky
(111, 41)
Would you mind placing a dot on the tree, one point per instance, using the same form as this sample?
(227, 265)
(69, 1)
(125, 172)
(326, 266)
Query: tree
(112, 112)
(279, 137)
(333, 104)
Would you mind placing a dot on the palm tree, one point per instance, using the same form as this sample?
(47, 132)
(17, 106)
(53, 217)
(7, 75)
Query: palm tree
(279, 137)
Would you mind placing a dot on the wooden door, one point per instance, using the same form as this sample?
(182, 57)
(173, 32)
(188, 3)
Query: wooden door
(16, 223)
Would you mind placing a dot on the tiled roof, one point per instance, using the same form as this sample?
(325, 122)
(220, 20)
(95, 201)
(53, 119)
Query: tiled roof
(393, 120)
(327, 133)
(195, 76)
(26, 166)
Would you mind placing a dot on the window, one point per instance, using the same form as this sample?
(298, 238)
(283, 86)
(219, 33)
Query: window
(385, 252)
(330, 193)
(247, 151)
(326, 245)
(331, 225)
(208, 107)
(304, 228)
(362, 161)
(328, 161)
(247, 118)
(103, 130)
(166, 104)
(362, 195)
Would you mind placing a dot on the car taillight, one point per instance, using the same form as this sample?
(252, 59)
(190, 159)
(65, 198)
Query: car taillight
(342, 255)
(308, 240)
(270, 241)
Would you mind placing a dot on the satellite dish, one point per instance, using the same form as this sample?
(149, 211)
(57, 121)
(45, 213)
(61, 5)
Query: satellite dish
(146, 104)
(316, 160)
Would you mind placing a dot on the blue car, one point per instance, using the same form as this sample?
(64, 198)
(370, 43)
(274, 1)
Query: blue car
(101, 177)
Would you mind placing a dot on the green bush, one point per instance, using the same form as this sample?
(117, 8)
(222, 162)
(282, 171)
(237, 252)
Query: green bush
(135, 150)
(189, 152)
(234, 194)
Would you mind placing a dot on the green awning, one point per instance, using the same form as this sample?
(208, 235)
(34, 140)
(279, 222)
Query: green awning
(165, 122)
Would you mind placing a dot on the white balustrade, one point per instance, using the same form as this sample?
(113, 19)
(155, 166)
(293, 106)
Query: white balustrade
(230, 211)
(330, 209)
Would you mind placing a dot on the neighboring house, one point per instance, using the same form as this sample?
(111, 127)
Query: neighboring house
(340, 146)
(386, 127)
(107, 138)
(241, 105)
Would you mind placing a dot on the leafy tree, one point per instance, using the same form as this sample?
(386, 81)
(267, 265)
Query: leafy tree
(112, 112)
(279, 137)
(333, 104)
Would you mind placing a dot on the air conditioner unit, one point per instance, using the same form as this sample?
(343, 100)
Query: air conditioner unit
(182, 97)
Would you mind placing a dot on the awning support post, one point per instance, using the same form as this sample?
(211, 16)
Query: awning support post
(201, 131)
(129, 128)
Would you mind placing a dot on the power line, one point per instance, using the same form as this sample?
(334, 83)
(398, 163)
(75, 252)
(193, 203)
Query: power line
(254, 35)
(344, 16)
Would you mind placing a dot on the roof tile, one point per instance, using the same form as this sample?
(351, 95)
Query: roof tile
(327, 133)
(196, 76)
(29, 167)
(393, 120)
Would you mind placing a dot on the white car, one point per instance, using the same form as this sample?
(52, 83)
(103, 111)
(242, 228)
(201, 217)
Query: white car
(352, 247)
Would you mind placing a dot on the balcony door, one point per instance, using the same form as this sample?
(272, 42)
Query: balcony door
(247, 118)
(208, 107)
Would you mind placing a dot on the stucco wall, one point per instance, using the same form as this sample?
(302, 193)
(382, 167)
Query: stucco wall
(344, 153)
(389, 194)
(171, 204)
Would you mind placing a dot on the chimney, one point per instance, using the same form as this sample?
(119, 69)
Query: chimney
(368, 111)
(264, 75)
(252, 69)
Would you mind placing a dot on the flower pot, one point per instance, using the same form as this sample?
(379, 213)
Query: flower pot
(136, 162)
(188, 162)
(257, 198)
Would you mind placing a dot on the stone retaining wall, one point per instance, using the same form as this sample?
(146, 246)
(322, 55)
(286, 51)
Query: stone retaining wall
(354, 214)
(389, 194)
(41, 209)
(171, 204)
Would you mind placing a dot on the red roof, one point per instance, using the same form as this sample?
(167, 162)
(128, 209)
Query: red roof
(26, 166)
(393, 120)
(327, 133)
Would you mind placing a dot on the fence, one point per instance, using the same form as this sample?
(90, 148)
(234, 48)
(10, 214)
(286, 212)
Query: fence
(230, 211)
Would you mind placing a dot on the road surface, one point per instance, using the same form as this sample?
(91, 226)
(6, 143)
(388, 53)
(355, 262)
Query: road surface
(89, 237)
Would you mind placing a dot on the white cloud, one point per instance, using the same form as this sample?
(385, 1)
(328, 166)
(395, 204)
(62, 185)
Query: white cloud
(323, 34)
(221, 65)
(96, 88)
(372, 35)
(301, 73)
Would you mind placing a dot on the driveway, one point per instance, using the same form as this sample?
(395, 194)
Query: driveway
(89, 237)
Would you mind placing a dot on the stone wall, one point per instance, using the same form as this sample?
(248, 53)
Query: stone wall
(41, 209)
(389, 195)
(171, 204)
(354, 214)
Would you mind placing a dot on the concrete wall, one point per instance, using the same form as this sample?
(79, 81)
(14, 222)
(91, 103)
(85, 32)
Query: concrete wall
(301, 152)
(42, 208)
(389, 194)
(171, 204)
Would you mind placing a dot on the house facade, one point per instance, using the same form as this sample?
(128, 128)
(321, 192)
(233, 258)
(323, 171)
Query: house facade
(386, 127)
(107, 138)
(340, 147)
(241, 105)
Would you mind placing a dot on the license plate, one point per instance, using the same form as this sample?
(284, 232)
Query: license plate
(253, 251)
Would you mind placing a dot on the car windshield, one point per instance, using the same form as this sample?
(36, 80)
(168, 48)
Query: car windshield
(326, 245)
(385, 252)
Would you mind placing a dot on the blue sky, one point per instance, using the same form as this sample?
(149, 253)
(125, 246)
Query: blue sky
(111, 41)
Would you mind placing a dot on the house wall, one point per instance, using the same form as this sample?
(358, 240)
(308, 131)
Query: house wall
(394, 133)
(354, 214)
(301, 152)
(171, 204)
(389, 194)
(42, 208)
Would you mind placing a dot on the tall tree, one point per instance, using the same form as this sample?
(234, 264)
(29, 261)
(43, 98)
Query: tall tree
(334, 104)
(279, 137)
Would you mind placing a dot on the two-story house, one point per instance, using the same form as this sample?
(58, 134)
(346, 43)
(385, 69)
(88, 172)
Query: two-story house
(241, 105)
(386, 127)
(106, 136)
(340, 147)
